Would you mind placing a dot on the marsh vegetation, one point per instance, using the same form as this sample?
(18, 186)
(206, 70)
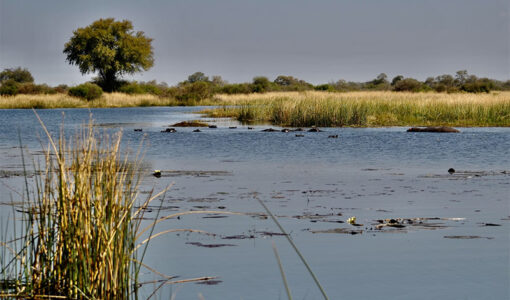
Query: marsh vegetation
(367, 109)
(77, 233)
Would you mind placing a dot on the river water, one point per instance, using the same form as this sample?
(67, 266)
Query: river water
(452, 244)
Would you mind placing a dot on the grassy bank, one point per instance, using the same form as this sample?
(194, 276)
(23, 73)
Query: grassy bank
(367, 109)
(107, 100)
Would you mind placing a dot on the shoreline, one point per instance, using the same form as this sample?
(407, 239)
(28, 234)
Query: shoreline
(311, 109)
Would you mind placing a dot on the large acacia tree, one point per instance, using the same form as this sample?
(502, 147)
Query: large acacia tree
(111, 49)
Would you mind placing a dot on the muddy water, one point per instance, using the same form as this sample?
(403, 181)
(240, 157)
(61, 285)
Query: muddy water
(419, 232)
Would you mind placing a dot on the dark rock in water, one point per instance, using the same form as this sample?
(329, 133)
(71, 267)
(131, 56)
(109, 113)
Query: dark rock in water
(270, 130)
(285, 130)
(197, 130)
(432, 129)
(209, 245)
(232, 127)
(315, 129)
(333, 136)
(169, 130)
(138, 129)
(213, 126)
(300, 135)
(250, 128)
(451, 170)
(298, 129)
(491, 224)
(466, 237)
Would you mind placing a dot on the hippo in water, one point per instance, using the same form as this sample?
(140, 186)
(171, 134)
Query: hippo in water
(433, 129)
(270, 130)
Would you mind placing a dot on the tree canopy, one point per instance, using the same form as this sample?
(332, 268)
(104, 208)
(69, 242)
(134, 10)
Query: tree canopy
(111, 49)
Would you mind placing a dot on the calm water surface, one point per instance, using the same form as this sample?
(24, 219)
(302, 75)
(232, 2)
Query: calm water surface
(371, 174)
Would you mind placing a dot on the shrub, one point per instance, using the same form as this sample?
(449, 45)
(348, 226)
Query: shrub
(151, 88)
(236, 88)
(396, 79)
(196, 91)
(325, 87)
(9, 88)
(408, 85)
(290, 83)
(87, 91)
(18, 75)
(479, 86)
(131, 88)
(260, 84)
(32, 89)
(61, 88)
(197, 77)
(141, 88)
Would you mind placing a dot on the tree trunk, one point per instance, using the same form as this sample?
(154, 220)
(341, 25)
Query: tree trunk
(109, 81)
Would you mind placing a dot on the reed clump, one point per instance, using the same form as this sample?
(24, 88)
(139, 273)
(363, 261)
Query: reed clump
(367, 109)
(78, 224)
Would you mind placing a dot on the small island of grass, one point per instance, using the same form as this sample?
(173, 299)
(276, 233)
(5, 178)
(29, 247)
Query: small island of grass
(192, 123)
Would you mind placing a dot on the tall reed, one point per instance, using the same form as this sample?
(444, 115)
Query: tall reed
(78, 224)
(366, 109)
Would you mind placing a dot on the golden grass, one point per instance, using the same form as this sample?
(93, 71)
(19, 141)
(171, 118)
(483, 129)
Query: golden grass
(366, 109)
(66, 101)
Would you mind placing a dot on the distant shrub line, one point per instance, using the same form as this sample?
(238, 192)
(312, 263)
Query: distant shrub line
(199, 87)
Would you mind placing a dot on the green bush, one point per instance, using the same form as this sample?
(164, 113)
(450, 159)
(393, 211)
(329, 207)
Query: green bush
(141, 88)
(131, 88)
(194, 92)
(9, 88)
(408, 85)
(61, 88)
(325, 87)
(483, 85)
(33, 89)
(150, 88)
(260, 84)
(236, 88)
(87, 91)
(18, 75)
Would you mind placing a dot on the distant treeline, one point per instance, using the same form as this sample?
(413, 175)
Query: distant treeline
(198, 86)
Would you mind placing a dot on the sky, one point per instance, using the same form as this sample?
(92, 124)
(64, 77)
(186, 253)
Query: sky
(318, 41)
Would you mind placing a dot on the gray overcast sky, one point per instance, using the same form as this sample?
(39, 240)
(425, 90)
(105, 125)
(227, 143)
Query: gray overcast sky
(318, 41)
